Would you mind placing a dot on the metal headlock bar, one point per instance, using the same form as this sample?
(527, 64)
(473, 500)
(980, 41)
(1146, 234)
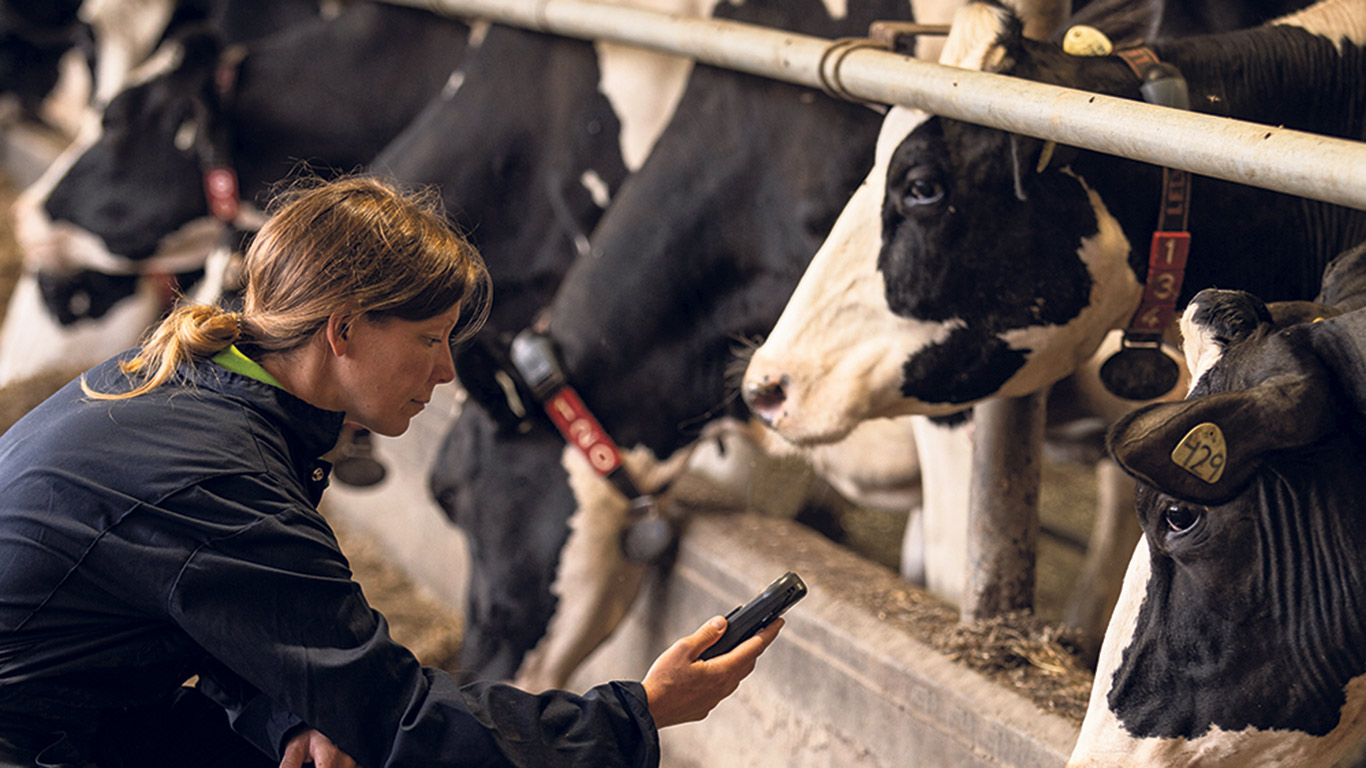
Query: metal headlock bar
(1294, 162)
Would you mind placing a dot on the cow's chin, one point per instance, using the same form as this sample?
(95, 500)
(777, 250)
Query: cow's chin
(1217, 748)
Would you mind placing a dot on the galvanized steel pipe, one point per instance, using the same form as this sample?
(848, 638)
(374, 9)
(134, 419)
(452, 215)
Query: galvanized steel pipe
(1294, 162)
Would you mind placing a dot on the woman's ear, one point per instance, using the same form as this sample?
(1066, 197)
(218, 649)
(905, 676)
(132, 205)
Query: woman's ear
(338, 332)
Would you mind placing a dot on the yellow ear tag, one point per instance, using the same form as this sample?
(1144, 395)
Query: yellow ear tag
(1082, 40)
(1202, 452)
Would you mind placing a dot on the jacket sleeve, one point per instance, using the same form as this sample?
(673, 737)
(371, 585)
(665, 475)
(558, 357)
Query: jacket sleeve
(252, 714)
(271, 597)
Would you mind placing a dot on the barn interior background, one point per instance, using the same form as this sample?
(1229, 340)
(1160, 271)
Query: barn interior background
(870, 670)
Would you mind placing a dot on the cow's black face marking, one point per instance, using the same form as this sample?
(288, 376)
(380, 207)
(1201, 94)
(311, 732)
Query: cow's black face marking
(510, 494)
(84, 295)
(965, 367)
(959, 243)
(136, 159)
(1247, 621)
(960, 246)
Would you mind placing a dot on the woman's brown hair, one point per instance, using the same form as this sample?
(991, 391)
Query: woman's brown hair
(357, 245)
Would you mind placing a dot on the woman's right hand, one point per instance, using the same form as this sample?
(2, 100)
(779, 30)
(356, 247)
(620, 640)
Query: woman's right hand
(310, 747)
(681, 688)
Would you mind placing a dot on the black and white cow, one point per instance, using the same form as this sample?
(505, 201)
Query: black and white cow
(528, 149)
(328, 91)
(1239, 639)
(958, 273)
(696, 254)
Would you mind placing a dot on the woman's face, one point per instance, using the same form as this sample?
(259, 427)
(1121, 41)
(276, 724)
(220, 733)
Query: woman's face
(391, 366)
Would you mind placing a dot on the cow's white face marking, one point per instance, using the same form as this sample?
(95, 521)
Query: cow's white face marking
(838, 345)
(1104, 743)
(972, 43)
(1201, 350)
(836, 341)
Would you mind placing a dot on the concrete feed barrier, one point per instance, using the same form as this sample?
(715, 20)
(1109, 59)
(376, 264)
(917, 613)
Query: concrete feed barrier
(840, 687)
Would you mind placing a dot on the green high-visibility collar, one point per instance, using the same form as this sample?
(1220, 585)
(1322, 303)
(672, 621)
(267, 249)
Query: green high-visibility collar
(233, 359)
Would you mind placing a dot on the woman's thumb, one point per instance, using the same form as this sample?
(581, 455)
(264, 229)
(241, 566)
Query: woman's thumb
(706, 636)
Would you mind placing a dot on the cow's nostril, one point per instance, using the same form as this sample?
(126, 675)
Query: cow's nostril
(765, 397)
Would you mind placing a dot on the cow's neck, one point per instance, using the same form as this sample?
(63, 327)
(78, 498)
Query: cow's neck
(1236, 75)
(1278, 75)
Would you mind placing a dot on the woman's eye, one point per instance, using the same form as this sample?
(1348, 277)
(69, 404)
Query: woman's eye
(923, 192)
(1181, 518)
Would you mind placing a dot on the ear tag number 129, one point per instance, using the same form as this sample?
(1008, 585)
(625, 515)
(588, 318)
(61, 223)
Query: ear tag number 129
(1202, 452)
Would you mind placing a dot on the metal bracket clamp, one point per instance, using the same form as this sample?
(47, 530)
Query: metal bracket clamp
(828, 68)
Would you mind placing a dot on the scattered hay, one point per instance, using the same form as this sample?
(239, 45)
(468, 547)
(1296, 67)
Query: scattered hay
(1039, 659)
(1033, 656)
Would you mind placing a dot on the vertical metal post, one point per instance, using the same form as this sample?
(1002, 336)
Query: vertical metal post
(1003, 510)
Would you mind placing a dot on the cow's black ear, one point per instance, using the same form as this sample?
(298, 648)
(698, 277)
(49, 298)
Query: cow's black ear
(1340, 344)
(1287, 313)
(1206, 450)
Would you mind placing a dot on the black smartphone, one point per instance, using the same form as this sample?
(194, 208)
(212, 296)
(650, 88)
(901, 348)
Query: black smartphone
(745, 620)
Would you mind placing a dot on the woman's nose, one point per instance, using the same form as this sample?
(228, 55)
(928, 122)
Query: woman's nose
(445, 366)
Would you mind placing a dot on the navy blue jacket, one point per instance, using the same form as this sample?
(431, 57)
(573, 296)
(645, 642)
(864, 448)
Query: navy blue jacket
(147, 540)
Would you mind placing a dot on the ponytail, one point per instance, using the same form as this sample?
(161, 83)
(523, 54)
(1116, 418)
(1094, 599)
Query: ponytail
(193, 332)
(357, 245)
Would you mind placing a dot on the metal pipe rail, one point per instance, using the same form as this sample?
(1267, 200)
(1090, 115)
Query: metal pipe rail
(1298, 163)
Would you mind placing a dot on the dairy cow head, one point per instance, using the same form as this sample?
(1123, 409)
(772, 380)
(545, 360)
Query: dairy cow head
(102, 218)
(965, 267)
(1239, 638)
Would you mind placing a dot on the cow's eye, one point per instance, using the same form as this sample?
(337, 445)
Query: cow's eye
(1181, 517)
(923, 192)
